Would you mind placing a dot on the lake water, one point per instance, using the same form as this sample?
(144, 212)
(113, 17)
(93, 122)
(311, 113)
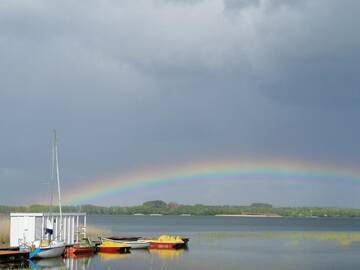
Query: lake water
(229, 243)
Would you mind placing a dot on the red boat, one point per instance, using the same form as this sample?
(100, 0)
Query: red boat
(168, 242)
(85, 246)
(113, 247)
(77, 256)
(80, 250)
(156, 245)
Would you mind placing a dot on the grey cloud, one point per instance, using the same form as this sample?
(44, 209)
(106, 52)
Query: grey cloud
(240, 4)
(140, 83)
(191, 2)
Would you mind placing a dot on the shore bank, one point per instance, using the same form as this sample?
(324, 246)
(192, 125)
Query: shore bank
(4, 230)
(173, 209)
(252, 216)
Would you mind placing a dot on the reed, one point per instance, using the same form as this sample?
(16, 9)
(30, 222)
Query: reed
(4, 231)
(94, 232)
(342, 238)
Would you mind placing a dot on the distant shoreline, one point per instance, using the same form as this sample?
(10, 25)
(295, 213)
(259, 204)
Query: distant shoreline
(252, 216)
(7, 216)
(159, 208)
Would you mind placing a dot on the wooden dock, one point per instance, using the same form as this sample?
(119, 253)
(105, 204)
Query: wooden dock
(10, 256)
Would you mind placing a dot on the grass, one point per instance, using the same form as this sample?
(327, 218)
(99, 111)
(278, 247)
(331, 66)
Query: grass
(4, 231)
(342, 238)
(94, 232)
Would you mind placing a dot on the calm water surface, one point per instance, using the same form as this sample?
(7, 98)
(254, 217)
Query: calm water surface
(229, 243)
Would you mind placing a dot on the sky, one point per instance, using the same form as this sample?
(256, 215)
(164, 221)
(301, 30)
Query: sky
(155, 83)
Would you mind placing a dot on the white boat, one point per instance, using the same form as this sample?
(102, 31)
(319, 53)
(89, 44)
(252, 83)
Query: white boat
(51, 248)
(133, 242)
(139, 244)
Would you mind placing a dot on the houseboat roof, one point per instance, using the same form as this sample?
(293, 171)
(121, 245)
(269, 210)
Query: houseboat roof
(44, 214)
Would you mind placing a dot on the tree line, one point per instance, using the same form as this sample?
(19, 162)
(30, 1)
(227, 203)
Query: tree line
(173, 208)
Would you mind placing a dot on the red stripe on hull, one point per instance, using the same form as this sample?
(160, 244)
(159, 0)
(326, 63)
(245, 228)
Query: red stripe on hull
(110, 249)
(121, 250)
(163, 245)
(81, 250)
(76, 251)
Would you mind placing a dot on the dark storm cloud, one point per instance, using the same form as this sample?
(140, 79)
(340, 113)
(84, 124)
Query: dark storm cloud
(133, 83)
(315, 56)
(240, 4)
(180, 1)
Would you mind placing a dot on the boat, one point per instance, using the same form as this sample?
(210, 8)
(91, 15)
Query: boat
(51, 248)
(168, 242)
(46, 250)
(186, 240)
(113, 247)
(133, 242)
(81, 247)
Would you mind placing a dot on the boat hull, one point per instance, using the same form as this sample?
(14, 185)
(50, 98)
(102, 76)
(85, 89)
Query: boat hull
(50, 252)
(186, 240)
(122, 250)
(80, 250)
(132, 242)
(161, 245)
(138, 245)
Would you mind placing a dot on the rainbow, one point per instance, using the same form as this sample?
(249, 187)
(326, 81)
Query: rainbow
(210, 171)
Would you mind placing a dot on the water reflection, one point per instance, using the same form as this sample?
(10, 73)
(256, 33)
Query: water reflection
(51, 263)
(105, 257)
(80, 256)
(80, 262)
(167, 254)
(14, 265)
(274, 250)
(151, 258)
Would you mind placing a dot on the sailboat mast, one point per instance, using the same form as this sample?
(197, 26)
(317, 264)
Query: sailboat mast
(58, 179)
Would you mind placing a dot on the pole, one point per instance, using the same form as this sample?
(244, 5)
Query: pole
(58, 179)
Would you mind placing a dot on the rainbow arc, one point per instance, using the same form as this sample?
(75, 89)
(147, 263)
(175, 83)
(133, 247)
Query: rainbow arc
(234, 170)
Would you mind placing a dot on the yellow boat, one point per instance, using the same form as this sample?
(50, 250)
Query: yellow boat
(112, 247)
(168, 242)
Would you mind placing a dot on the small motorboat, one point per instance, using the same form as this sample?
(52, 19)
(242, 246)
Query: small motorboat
(133, 242)
(48, 250)
(168, 242)
(81, 247)
(113, 247)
